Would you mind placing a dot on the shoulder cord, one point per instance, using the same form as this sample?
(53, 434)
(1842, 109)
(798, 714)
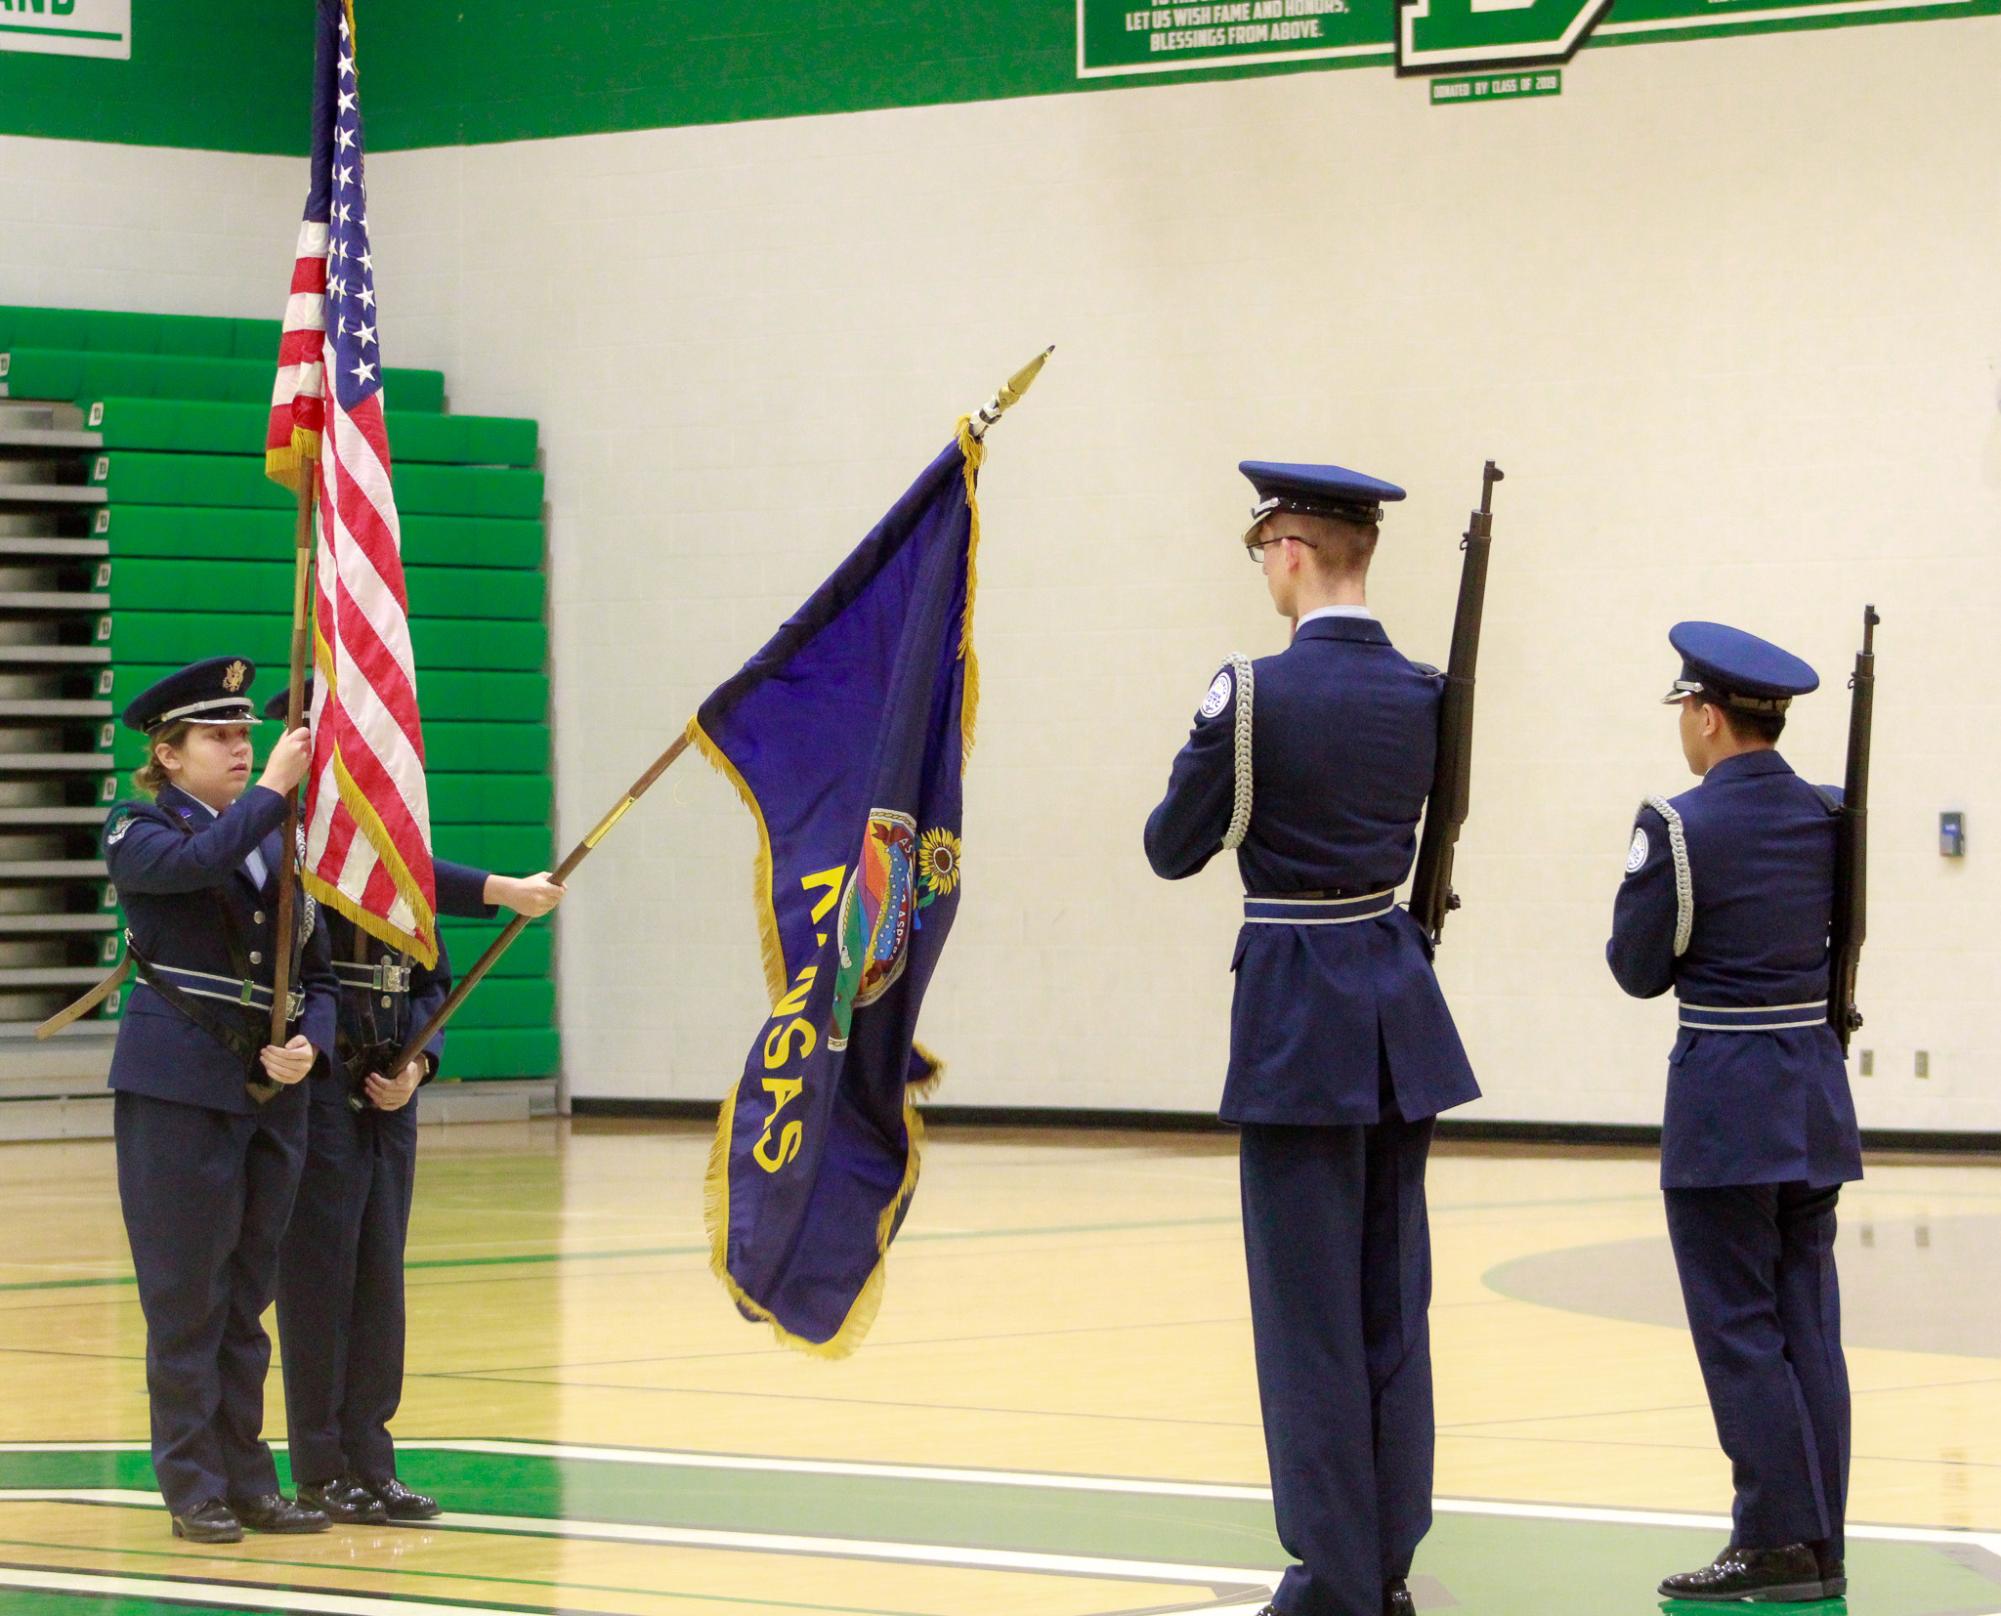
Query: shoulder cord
(1240, 810)
(1684, 879)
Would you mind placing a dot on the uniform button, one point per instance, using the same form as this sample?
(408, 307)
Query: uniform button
(387, 1001)
(256, 958)
(258, 918)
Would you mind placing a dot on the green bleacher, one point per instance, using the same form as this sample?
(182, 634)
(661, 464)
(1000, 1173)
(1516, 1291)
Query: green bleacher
(200, 563)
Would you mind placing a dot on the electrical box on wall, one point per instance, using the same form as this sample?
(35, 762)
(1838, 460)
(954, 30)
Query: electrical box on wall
(1952, 835)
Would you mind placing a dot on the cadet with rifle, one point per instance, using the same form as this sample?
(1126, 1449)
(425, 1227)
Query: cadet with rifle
(1314, 767)
(1745, 895)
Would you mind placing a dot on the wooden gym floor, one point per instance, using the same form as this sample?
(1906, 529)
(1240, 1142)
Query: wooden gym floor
(1056, 1414)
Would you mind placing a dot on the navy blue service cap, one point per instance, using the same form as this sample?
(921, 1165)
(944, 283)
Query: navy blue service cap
(1331, 491)
(216, 691)
(280, 705)
(1737, 669)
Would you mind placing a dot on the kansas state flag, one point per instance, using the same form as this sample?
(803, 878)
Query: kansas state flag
(846, 737)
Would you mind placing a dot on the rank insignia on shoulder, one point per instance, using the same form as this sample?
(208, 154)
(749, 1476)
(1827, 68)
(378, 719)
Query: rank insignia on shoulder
(118, 831)
(1636, 855)
(1221, 689)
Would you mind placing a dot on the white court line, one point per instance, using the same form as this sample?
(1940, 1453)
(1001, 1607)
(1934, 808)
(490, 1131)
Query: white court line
(673, 1458)
(246, 1596)
(1136, 1486)
(1069, 1565)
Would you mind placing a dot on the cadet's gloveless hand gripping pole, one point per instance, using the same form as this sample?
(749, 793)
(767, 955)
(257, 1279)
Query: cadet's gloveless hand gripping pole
(515, 927)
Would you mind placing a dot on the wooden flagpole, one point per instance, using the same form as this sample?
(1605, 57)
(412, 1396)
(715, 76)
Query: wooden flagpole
(514, 928)
(1003, 399)
(262, 1089)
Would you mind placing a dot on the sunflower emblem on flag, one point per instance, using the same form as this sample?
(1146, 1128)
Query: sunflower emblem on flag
(938, 858)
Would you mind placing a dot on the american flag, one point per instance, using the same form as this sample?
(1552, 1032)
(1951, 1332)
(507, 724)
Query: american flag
(367, 812)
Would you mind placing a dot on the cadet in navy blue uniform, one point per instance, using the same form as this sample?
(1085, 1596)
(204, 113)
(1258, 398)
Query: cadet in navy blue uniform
(1314, 765)
(340, 1279)
(206, 1175)
(1728, 896)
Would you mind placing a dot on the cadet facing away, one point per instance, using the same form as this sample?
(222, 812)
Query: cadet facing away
(1727, 899)
(1314, 766)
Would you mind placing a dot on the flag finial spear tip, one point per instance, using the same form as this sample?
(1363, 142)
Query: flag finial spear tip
(1009, 394)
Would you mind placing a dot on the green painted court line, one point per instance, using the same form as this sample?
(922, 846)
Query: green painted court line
(441, 1576)
(64, 33)
(538, 1258)
(66, 1284)
(1494, 1559)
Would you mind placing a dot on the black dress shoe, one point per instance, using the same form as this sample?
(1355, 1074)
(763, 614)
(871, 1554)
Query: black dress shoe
(401, 1504)
(1763, 1576)
(344, 1501)
(274, 1512)
(1397, 1600)
(1833, 1574)
(209, 1522)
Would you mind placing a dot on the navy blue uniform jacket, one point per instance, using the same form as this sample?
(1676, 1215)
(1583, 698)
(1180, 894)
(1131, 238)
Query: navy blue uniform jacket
(363, 1015)
(167, 881)
(1345, 736)
(1743, 1107)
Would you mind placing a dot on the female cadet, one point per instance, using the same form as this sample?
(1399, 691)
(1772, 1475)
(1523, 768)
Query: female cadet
(207, 1173)
(340, 1275)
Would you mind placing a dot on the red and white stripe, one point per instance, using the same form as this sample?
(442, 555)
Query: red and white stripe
(365, 718)
(298, 398)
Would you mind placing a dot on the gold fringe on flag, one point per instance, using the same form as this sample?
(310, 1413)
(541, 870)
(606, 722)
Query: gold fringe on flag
(292, 463)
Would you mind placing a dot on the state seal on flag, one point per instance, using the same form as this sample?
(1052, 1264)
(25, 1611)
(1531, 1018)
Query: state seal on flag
(877, 911)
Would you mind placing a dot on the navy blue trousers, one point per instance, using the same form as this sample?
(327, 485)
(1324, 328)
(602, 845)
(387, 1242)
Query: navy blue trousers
(340, 1289)
(1757, 1276)
(1339, 1250)
(205, 1196)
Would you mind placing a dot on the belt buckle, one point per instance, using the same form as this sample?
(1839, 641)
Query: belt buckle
(399, 979)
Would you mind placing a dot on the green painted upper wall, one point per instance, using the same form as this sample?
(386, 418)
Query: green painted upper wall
(234, 74)
(226, 75)
(526, 68)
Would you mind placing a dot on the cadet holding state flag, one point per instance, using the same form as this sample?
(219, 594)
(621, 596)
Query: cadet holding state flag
(1730, 898)
(340, 1273)
(1314, 766)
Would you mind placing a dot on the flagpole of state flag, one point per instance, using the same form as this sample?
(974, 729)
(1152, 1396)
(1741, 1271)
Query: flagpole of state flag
(983, 418)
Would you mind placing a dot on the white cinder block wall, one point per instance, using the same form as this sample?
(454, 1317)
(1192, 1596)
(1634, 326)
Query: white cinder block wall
(86, 225)
(1727, 313)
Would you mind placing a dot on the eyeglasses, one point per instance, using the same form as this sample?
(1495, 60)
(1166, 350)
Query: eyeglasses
(1255, 548)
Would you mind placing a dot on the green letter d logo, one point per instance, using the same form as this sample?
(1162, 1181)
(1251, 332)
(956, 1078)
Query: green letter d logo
(1435, 34)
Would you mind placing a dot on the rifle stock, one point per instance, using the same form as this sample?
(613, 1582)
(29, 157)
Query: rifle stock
(1431, 896)
(1851, 860)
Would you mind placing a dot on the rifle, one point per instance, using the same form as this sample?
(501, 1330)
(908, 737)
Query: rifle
(1851, 852)
(1431, 894)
